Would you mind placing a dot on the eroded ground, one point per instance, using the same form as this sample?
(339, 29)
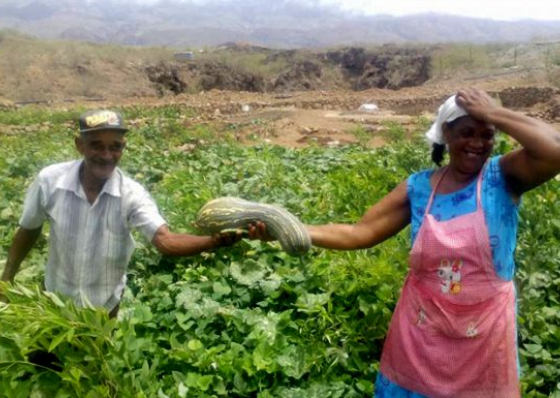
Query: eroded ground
(331, 117)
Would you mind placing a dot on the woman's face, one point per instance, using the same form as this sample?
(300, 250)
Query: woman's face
(470, 143)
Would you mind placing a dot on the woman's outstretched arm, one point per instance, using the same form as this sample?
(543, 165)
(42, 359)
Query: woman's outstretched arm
(383, 220)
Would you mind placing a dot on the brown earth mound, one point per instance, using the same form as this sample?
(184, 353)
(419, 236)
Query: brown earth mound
(201, 75)
(214, 75)
(390, 68)
(305, 75)
(526, 97)
(553, 109)
(166, 77)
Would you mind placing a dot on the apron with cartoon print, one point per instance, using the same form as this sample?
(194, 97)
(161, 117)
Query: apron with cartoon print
(453, 332)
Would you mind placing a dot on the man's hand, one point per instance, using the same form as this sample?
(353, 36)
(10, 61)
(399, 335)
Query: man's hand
(172, 244)
(226, 239)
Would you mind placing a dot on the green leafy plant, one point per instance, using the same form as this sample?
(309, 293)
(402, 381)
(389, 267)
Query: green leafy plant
(249, 320)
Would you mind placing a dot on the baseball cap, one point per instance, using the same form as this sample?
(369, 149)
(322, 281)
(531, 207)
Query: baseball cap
(102, 119)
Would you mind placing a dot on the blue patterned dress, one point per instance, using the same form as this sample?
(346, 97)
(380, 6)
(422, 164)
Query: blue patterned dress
(501, 217)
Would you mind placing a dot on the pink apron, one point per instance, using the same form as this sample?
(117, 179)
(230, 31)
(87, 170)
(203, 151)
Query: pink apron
(453, 332)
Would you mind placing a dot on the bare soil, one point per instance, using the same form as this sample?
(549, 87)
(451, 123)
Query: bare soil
(334, 118)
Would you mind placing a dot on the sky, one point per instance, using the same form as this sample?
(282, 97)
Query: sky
(505, 10)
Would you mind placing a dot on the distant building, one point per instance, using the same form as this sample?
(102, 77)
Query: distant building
(183, 56)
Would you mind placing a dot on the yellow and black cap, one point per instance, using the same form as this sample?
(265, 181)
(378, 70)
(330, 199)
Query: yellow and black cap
(99, 120)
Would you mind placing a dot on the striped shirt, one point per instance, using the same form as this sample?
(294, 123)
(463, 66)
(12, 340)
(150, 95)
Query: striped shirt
(90, 245)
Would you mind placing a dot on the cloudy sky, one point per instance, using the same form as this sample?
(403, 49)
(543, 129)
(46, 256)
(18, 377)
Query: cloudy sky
(493, 9)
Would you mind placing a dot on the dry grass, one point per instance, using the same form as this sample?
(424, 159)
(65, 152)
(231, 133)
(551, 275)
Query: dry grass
(31, 67)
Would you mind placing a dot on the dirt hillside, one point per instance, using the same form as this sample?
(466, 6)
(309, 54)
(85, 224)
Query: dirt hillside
(288, 97)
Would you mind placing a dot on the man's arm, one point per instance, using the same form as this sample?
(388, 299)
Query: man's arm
(172, 244)
(21, 245)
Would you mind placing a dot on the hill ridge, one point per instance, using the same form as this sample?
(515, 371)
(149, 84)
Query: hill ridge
(279, 24)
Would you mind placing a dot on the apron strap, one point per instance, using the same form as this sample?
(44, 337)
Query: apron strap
(429, 205)
(478, 188)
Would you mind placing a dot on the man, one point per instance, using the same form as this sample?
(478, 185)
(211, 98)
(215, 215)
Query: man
(91, 207)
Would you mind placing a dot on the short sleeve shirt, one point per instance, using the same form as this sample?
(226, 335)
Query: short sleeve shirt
(90, 245)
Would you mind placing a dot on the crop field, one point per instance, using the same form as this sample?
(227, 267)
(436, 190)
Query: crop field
(245, 321)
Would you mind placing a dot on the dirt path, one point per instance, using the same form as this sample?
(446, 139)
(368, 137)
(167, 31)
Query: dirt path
(294, 127)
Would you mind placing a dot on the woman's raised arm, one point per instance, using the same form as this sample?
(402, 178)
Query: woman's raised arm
(539, 158)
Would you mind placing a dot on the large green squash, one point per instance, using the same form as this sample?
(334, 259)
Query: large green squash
(234, 213)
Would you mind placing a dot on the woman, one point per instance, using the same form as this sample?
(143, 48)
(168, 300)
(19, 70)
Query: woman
(453, 333)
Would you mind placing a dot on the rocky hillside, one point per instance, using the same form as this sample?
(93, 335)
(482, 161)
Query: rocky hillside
(36, 70)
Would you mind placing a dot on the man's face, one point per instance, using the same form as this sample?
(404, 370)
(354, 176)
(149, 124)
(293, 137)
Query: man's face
(102, 151)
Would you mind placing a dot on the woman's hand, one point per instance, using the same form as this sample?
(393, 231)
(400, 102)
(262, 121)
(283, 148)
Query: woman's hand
(258, 231)
(476, 102)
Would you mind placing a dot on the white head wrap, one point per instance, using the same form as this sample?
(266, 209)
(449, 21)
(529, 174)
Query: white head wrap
(447, 112)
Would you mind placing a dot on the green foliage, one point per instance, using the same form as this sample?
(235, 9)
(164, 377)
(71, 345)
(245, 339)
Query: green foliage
(33, 115)
(248, 320)
(393, 132)
(362, 135)
(539, 290)
(95, 362)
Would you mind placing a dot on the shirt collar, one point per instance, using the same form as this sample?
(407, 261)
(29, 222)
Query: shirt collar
(71, 181)
(112, 185)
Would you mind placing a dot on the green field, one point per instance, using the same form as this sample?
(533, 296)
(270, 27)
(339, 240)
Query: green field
(249, 321)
